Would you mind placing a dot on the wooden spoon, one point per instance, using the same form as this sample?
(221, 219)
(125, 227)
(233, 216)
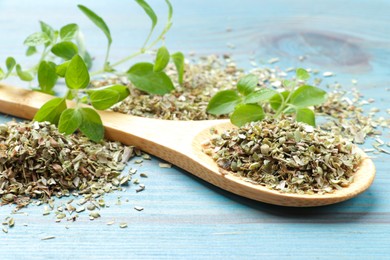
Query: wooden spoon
(179, 142)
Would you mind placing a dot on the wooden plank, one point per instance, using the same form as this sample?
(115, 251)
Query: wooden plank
(184, 217)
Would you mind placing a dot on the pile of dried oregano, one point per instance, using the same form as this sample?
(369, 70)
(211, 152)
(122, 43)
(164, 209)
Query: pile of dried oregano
(286, 155)
(36, 161)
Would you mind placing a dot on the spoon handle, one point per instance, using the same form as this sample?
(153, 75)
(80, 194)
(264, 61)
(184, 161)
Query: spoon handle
(179, 142)
(169, 140)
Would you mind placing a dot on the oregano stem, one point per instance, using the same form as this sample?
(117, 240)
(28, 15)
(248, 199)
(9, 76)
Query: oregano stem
(127, 58)
(106, 58)
(159, 38)
(147, 40)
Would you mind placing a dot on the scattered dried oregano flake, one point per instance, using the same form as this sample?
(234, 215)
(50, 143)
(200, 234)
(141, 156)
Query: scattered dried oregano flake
(48, 238)
(286, 155)
(345, 116)
(38, 162)
(123, 225)
(165, 165)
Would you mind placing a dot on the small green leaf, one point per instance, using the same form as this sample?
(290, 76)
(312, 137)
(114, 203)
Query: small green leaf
(306, 96)
(149, 11)
(289, 84)
(98, 21)
(70, 121)
(47, 76)
(36, 39)
(61, 69)
(87, 59)
(223, 102)
(31, 50)
(48, 30)
(247, 84)
(276, 100)
(103, 99)
(2, 74)
(69, 31)
(170, 10)
(10, 63)
(70, 95)
(306, 115)
(77, 76)
(245, 113)
(162, 59)
(23, 75)
(82, 50)
(65, 50)
(302, 74)
(51, 111)
(178, 60)
(260, 95)
(144, 78)
(91, 125)
(123, 91)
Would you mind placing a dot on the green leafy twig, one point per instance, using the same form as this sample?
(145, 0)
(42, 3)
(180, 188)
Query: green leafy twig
(247, 102)
(61, 45)
(86, 119)
(63, 55)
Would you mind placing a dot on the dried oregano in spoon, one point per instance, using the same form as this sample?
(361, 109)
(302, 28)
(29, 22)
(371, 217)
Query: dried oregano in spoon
(36, 161)
(285, 155)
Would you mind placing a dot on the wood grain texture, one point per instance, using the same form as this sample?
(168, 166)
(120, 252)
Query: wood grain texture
(185, 217)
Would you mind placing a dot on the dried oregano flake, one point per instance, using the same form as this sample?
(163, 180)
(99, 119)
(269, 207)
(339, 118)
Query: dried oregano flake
(286, 155)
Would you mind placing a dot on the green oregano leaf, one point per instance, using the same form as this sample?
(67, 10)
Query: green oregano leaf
(48, 30)
(91, 125)
(82, 50)
(87, 59)
(69, 31)
(2, 74)
(306, 115)
(104, 98)
(170, 10)
(77, 76)
(245, 113)
(149, 11)
(247, 84)
(23, 75)
(65, 50)
(61, 69)
(261, 95)
(47, 76)
(302, 74)
(51, 111)
(145, 78)
(122, 91)
(178, 60)
(31, 50)
(289, 84)
(36, 39)
(98, 21)
(10, 63)
(276, 100)
(306, 96)
(70, 121)
(223, 102)
(162, 59)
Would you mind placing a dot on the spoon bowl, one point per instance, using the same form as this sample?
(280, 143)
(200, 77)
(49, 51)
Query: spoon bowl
(180, 143)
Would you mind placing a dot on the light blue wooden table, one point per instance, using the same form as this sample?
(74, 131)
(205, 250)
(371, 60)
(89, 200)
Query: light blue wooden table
(184, 217)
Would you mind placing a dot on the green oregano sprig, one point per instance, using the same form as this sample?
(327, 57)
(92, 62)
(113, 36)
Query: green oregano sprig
(85, 119)
(63, 55)
(56, 47)
(247, 102)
